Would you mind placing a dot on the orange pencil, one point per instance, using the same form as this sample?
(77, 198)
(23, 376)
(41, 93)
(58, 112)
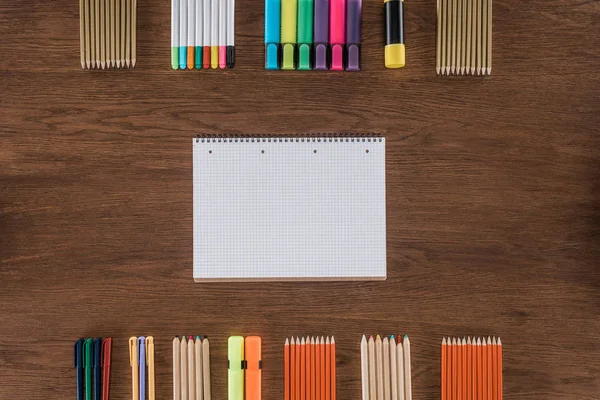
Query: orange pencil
(333, 371)
(459, 366)
(327, 369)
(484, 378)
(302, 370)
(323, 370)
(499, 355)
(490, 368)
(469, 379)
(293, 370)
(494, 369)
(286, 370)
(311, 368)
(479, 370)
(453, 370)
(297, 377)
(465, 371)
(318, 369)
(443, 369)
(473, 369)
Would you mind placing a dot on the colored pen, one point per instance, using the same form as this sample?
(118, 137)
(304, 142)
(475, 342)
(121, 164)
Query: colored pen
(206, 32)
(183, 34)
(199, 31)
(191, 33)
(236, 368)
(78, 356)
(214, 34)
(87, 365)
(337, 33)
(321, 38)
(222, 33)
(394, 33)
(230, 33)
(289, 12)
(175, 34)
(150, 363)
(353, 34)
(106, 357)
(305, 33)
(133, 363)
(142, 366)
(97, 365)
(272, 33)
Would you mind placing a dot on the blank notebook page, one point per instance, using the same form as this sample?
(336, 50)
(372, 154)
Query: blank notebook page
(289, 208)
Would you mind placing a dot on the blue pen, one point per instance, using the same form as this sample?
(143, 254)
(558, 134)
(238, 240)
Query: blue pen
(272, 33)
(97, 368)
(183, 34)
(142, 364)
(78, 356)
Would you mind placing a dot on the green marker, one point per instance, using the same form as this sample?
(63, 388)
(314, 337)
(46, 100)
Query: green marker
(305, 33)
(175, 34)
(236, 368)
(289, 19)
(87, 367)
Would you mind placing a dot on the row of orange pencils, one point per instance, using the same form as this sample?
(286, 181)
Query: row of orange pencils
(309, 368)
(471, 368)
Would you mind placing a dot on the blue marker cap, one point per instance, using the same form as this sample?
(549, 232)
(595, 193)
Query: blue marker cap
(272, 33)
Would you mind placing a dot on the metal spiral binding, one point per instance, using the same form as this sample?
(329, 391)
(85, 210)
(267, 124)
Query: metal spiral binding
(288, 139)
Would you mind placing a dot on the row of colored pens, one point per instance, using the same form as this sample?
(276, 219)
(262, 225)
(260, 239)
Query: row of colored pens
(93, 357)
(385, 368)
(191, 369)
(309, 368)
(202, 34)
(471, 368)
(141, 360)
(107, 33)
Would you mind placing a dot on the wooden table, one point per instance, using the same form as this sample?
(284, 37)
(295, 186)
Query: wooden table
(493, 191)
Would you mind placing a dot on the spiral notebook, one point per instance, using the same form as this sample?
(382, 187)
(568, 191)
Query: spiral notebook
(306, 208)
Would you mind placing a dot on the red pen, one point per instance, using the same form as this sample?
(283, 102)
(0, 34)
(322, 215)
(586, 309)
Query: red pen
(106, 348)
(337, 33)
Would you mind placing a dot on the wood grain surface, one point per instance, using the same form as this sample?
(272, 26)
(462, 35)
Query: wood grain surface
(493, 199)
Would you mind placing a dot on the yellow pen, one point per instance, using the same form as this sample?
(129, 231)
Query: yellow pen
(133, 361)
(150, 364)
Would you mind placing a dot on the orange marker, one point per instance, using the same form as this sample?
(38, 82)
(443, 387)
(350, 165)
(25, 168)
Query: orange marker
(323, 370)
(302, 370)
(333, 371)
(286, 370)
(190, 57)
(253, 374)
(443, 369)
(297, 377)
(293, 370)
(318, 369)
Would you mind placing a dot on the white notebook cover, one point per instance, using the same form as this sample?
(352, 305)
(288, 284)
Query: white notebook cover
(289, 209)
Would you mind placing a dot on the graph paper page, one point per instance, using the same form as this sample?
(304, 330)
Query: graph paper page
(289, 209)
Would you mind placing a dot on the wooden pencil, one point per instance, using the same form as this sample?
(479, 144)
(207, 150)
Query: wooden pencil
(293, 369)
(379, 366)
(464, 371)
(183, 369)
(333, 371)
(489, 38)
(176, 369)
(133, 32)
(372, 370)
(469, 17)
(106, 43)
(484, 37)
(485, 368)
(364, 368)
(128, 33)
(494, 369)
(479, 44)
(318, 369)
(191, 369)
(286, 370)
(448, 37)
(310, 370)
(490, 366)
(82, 33)
(443, 370)
(454, 37)
(452, 366)
(443, 22)
(112, 33)
(400, 368)
(499, 369)
(459, 375)
(198, 359)
(298, 382)
(302, 369)
(386, 368)
(102, 38)
(123, 32)
(97, 32)
(323, 370)
(459, 37)
(327, 369)
(206, 369)
(465, 4)
(438, 38)
(469, 369)
(393, 368)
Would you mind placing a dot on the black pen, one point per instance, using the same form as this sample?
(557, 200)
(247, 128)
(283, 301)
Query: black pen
(78, 355)
(97, 368)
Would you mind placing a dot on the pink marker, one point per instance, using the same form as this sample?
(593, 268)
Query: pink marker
(337, 33)
(222, 33)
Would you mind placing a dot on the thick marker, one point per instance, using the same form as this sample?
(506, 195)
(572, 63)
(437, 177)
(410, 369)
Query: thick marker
(394, 33)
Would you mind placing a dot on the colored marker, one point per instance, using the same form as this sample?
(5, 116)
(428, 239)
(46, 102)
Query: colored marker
(337, 33)
(321, 39)
(97, 368)
(206, 33)
(353, 34)
(289, 12)
(79, 367)
(272, 33)
(175, 34)
(305, 33)
(236, 368)
(87, 365)
(214, 34)
(222, 33)
(394, 33)
(183, 34)
(199, 31)
(230, 61)
(191, 38)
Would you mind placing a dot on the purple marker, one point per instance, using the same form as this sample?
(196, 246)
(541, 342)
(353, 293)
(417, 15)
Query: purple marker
(321, 37)
(353, 34)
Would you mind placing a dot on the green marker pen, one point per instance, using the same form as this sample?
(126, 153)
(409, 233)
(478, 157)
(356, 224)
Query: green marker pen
(305, 33)
(87, 367)
(175, 34)
(236, 368)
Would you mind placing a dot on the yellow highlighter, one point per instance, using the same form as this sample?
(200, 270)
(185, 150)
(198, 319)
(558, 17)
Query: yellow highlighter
(289, 22)
(236, 368)
(150, 363)
(394, 33)
(133, 362)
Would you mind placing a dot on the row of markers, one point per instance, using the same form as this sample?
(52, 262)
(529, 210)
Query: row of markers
(202, 34)
(313, 34)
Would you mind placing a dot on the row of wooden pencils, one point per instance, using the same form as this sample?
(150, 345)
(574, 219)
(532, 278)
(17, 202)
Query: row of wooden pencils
(107, 33)
(309, 368)
(385, 368)
(471, 368)
(464, 37)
